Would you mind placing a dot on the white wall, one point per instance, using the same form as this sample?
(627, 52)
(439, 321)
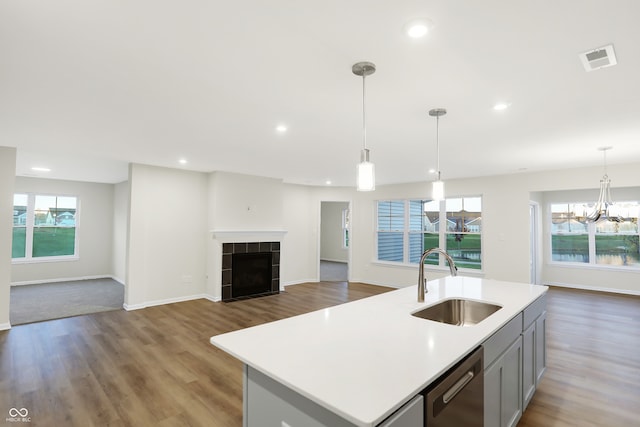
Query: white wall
(299, 254)
(120, 220)
(167, 236)
(331, 247)
(95, 232)
(7, 179)
(244, 202)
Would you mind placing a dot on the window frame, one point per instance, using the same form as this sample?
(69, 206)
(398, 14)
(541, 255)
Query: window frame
(590, 233)
(30, 226)
(407, 232)
(346, 225)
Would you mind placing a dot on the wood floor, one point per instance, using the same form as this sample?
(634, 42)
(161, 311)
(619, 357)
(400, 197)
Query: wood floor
(593, 362)
(155, 367)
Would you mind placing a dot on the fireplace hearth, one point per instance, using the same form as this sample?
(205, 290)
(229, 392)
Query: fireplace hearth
(250, 269)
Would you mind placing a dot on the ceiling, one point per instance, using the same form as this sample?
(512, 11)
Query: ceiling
(88, 86)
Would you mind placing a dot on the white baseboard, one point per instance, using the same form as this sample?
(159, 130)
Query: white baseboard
(117, 279)
(594, 288)
(368, 282)
(65, 279)
(5, 326)
(296, 282)
(212, 298)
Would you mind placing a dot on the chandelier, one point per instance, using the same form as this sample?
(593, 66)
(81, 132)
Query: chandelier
(602, 210)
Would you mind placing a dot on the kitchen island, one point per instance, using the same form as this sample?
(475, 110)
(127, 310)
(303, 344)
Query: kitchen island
(362, 361)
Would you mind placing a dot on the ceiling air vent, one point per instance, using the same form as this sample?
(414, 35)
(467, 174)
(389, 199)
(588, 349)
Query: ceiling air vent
(598, 58)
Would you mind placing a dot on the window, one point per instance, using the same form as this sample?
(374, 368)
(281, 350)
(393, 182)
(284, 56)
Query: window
(408, 227)
(19, 226)
(391, 230)
(345, 228)
(44, 227)
(464, 226)
(605, 243)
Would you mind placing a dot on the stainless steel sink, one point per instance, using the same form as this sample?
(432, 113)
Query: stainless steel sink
(459, 312)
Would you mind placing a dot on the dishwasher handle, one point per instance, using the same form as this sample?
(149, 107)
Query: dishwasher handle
(457, 387)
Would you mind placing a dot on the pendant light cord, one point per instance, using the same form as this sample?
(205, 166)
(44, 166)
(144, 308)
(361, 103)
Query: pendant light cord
(438, 145)
(364, 113)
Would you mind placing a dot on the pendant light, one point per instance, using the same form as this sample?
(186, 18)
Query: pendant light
(437, 189)
(602, 209)
(366, 169)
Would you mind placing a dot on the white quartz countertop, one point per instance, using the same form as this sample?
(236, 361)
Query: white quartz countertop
(364, 359)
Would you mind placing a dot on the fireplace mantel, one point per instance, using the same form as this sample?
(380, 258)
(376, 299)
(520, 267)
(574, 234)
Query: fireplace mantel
(238, 236)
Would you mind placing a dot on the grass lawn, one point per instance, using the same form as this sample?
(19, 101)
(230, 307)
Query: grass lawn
(605, 244)
(47, 241)
(463, 251)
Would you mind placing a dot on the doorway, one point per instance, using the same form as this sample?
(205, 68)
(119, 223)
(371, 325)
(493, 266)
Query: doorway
(334, 251)
(533, 242)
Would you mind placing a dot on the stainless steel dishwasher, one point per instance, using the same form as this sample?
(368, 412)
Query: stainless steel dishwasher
(457, 399)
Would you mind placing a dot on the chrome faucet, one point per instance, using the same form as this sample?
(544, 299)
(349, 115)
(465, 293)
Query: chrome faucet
(422, 281)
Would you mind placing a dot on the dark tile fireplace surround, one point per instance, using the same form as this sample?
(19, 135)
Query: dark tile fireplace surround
(251, 255)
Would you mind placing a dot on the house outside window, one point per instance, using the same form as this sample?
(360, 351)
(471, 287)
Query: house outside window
(406, 228)
(604, 243)
(44, 227)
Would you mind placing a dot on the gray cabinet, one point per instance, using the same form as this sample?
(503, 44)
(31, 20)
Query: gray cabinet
(268, 403)
(528, 363)
(534, 358)
(541, 346)
(515, 360)
(503, 376)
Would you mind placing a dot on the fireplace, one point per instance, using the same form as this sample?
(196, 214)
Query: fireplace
(250, 269)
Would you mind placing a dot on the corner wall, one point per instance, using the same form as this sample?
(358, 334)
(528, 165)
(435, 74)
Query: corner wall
(7, 181)
(167, 232)
(120, 220)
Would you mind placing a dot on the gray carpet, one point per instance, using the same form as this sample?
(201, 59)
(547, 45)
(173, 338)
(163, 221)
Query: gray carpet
(35, 303)
(331, 271)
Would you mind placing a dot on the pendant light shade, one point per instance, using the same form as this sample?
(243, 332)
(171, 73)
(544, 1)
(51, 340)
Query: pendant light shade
(437, 187)
(603, 208)
(366, 173)
(366, 169)
(437, 190)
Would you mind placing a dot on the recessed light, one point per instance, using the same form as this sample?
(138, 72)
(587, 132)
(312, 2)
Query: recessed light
(182, 161)
(432, 171)
(281, 128)
(328, 182)
(501, 106)
(418, 28)
(40, 169)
